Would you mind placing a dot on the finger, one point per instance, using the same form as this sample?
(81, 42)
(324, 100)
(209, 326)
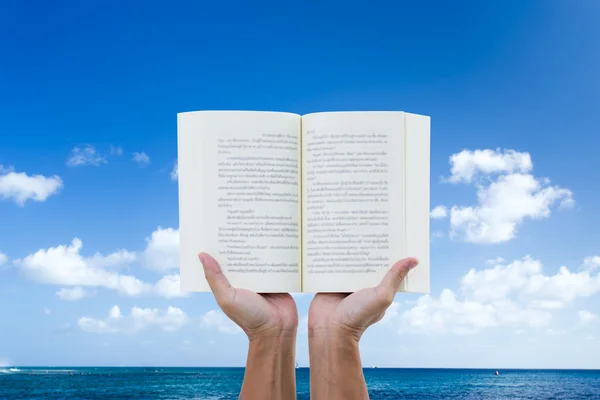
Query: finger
(214, 275)
(394, 277)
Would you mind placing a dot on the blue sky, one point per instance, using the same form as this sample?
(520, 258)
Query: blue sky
(512, 90)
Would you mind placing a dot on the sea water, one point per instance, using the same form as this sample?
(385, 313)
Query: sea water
(225, 383)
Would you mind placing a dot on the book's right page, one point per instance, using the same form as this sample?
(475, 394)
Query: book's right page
(365, 199)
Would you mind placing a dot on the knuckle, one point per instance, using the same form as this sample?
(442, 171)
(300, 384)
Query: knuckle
(226, 302)
(385, 297)
(398, 279)
(402, 274)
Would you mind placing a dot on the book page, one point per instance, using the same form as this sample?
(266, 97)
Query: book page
(239, 198)
(417, 178)
(353, 202)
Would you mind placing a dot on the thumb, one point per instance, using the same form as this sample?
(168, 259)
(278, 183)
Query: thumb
(394, 277)
(214, 275)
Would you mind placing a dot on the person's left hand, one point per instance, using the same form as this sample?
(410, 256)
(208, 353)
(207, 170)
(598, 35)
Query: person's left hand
(334, 314)
(259, 315)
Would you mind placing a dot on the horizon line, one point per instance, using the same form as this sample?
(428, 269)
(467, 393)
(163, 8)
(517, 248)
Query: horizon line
(305, 367)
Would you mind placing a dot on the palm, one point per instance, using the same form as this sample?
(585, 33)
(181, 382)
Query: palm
(258, 312)
(354, 312)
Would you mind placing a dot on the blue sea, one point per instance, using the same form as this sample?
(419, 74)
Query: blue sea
(225, 383)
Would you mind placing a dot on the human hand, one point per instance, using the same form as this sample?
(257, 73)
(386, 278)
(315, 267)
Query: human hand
(270, 321)
(335, 314)
(259, 315)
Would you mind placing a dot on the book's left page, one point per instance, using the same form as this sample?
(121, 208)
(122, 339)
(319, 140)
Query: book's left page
(239, 198)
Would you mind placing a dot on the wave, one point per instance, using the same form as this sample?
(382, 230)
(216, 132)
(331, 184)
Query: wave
(9, 370)
(37, 371)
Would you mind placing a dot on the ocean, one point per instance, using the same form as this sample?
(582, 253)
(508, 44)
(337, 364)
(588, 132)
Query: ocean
(225, 383)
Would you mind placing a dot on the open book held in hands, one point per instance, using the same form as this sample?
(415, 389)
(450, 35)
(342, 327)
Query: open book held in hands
(324, 202)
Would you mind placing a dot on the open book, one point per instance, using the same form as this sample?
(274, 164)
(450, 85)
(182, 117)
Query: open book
(323, 202)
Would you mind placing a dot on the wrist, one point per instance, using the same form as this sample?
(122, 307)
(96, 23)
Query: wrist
(275, 344)
(274, 353)
(333, 333)
(332, 343)
(335, 366)
(270, 369)
(273, 334)
(333, 346)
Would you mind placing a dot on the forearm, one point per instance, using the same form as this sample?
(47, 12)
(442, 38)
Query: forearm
(270, 369)
(335, 367)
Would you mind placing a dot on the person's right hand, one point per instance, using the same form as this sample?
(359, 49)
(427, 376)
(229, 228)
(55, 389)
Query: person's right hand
(270, 321)
(259, 315)
(334, 314)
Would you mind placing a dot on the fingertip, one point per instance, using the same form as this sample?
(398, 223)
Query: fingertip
(412, 262)
(209, 263)
(408, 263)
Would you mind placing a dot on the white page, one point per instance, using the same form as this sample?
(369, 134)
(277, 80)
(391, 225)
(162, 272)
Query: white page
(353, 204)
(239, 198)
(417, 178)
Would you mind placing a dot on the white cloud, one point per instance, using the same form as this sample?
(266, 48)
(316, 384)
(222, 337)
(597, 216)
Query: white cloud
(114, 312)
(92, 325)
(47, 311)
(591, 263)
(115, 150)
(215, 319)
(120, 258)
(555, 332)
(85, 156)
(3, 258)
(467, 164)
(524, 280)
(518, 294)
(503, 205)
(175, 172)
(141, 159)
(71, 294)
(162, 250)
(587, 317)
(507, 195)
(494, 261)
(169, 320)
(169, 286)
(64, 265)
(63, 329)
(447, 314)
(439, 212)
(20, 187)
(437, 235)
